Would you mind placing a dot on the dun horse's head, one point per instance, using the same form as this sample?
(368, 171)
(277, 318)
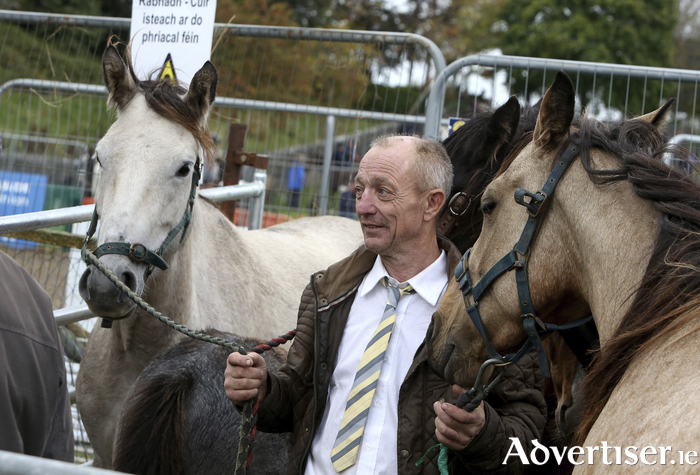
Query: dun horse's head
(149, 160)
(456, 347)
(553, 221)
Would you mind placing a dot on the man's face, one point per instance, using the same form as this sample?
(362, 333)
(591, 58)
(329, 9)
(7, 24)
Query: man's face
(389, 204)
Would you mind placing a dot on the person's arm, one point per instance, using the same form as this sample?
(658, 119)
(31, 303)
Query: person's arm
(515, 408)
(247, 376)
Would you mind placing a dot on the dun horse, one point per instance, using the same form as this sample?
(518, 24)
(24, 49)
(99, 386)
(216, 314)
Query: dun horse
(620, 238)
(477, 150)
(245, 282)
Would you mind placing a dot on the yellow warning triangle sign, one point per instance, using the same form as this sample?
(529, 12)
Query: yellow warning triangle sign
(168, 71)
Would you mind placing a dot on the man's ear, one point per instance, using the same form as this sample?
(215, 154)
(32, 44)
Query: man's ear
(435, 200)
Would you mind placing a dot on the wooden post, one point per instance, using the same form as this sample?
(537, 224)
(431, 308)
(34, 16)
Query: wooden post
(232, 172)
(235, 159)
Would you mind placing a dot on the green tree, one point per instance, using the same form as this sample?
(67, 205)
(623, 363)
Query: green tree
(636, 32)
(458, 27)
(687, 35)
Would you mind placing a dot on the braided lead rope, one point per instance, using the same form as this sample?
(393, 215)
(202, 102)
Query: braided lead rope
(249, 415)
(275, 342)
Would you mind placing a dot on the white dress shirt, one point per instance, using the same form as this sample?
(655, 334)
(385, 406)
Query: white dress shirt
(377, 454)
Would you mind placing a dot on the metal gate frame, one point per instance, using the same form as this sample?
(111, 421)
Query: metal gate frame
(436, 99)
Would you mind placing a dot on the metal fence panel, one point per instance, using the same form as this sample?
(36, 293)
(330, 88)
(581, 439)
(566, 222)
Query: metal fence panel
(18, 464)
(606, 91)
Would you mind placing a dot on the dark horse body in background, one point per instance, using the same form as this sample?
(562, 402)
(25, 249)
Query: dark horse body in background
(177, 419)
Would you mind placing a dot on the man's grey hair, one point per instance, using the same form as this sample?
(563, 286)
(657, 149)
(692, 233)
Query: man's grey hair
(432, 165)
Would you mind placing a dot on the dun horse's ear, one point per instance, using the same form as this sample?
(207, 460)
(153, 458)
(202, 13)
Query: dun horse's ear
(119, 83)
(202, 90)
(556, 112)
(659, 117)
(504, 123)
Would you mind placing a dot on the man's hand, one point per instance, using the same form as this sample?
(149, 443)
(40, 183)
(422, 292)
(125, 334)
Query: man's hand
(454, 427)
(245, 377)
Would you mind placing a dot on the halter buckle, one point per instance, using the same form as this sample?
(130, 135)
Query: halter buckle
(138, 252)
(536, 200)
(541, 326)
(450, 208)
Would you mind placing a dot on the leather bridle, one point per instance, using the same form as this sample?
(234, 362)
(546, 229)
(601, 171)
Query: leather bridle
(533, 326)
(454, 210)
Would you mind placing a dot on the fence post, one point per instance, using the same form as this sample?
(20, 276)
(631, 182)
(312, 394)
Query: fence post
(327, 157)
(257, 204)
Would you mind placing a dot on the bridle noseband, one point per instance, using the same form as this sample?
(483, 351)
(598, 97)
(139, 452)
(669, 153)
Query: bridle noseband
(137, 252)
(533, 326)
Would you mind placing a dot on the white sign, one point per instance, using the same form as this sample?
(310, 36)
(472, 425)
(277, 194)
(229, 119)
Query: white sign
(182, 29)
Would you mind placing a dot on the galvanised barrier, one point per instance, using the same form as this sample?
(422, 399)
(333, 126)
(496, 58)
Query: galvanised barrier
(608, 91)
(19, 464)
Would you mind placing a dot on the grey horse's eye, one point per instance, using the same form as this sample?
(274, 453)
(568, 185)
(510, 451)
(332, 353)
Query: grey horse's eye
(184, 170)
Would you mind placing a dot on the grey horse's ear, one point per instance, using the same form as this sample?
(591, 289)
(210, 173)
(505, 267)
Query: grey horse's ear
(556, 112)
(120, 85)
(658, 117)
(202, 90)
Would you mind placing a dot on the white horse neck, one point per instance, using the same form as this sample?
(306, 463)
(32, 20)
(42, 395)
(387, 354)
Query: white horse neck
(216, 281)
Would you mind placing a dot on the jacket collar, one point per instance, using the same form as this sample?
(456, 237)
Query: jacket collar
(343, 278)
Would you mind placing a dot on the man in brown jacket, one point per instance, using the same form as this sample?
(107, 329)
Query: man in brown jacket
(406, 409)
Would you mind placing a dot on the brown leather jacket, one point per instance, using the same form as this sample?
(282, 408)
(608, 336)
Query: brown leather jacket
(297, 393)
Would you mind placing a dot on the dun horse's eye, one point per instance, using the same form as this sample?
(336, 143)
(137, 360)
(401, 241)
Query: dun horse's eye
(184, 170)
(487, 207)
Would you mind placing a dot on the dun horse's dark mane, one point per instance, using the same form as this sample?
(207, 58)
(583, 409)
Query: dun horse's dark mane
(671, 284)
(166, 98)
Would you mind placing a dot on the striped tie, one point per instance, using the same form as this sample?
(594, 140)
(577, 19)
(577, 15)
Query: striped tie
(347, 443)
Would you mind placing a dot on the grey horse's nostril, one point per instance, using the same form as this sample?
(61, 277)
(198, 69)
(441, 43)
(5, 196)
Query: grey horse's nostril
(129, 279)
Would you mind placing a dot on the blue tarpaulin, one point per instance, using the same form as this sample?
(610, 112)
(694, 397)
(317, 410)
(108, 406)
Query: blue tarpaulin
(21, 193)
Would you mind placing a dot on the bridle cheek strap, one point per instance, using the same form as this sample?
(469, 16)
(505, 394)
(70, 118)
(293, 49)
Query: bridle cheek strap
(137, 252)
(532, 325)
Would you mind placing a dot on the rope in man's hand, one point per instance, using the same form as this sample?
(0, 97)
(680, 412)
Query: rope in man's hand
(249, 415)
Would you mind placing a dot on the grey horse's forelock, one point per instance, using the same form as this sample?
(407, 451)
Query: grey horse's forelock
(432, 165)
